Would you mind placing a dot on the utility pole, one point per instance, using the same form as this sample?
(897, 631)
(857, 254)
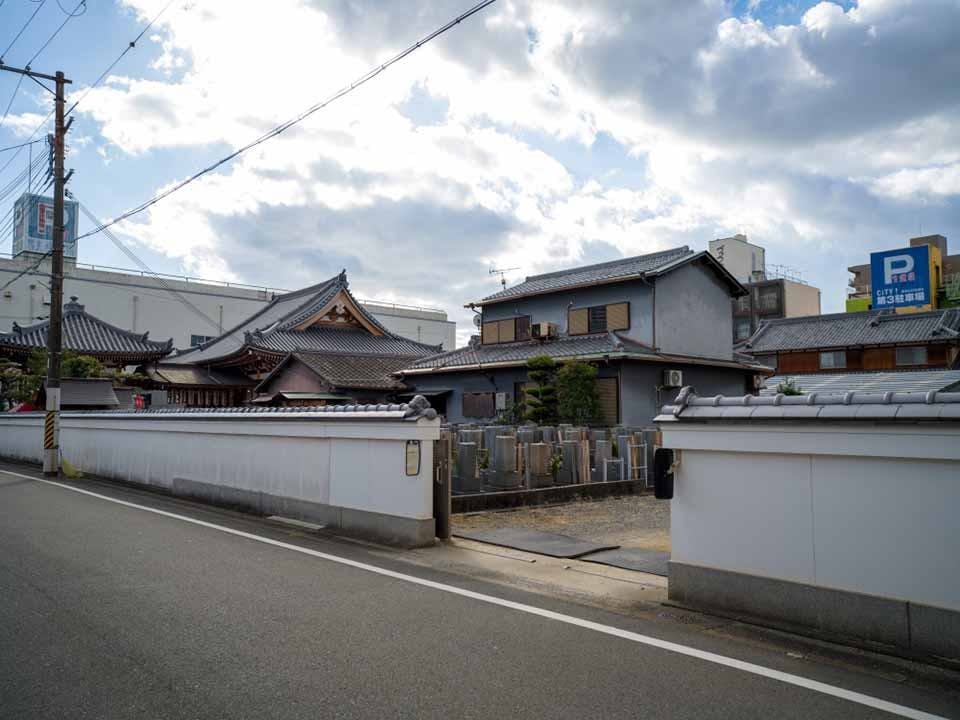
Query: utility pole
(51, 424)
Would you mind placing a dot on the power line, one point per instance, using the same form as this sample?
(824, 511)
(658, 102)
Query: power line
(25, 25)
(74, 13)
(131, 45)
(128, 48)
(12, 98)
(299, 118)
(25, 271)
(14, 147)
(56, 32)
(122, 246)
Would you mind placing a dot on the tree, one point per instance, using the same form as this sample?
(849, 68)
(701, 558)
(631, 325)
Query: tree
(579, 400)
(72, 365)
(541, 399)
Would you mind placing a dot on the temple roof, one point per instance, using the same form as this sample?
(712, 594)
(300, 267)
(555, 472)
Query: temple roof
(85, 334)
(349, 371)
(291, 322)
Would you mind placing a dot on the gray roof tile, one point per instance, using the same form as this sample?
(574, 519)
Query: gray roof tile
(853, 329)
(564, 347)
(824, 406)
(370, 372)
(86, 392)
(272, 329)
(591, 274)
(83, 333)
(899, 381)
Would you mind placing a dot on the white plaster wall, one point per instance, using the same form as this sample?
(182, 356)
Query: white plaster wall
(358, 464)
(854, 506)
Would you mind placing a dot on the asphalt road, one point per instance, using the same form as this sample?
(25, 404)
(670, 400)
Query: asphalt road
(110, 611)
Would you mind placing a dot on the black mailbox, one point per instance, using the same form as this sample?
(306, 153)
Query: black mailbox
(663, 474)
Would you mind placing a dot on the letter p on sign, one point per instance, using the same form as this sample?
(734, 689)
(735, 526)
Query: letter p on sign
(895, 265)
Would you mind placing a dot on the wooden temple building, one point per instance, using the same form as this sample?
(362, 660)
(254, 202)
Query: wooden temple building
(314, 346)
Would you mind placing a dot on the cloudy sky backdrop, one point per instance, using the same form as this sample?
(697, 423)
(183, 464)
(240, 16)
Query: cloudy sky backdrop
(537, 135)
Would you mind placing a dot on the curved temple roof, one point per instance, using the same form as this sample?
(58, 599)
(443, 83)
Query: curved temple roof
(86, 334)
(275, 329)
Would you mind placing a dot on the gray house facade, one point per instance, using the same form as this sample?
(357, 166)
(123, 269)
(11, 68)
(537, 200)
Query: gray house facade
(633, 318)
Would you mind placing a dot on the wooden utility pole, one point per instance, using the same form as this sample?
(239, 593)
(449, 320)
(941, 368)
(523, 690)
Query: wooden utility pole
(51, 425)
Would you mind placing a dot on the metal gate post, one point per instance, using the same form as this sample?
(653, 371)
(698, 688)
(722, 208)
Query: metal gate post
(442, 470)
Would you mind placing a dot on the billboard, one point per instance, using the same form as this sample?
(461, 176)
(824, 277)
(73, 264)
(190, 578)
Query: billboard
(33, 225)
(901, 278)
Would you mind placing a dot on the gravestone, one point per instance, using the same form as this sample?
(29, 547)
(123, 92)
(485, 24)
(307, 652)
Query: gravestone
(468, 478)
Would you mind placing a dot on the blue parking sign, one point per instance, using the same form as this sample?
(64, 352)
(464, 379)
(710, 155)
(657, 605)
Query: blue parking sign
(901, 278)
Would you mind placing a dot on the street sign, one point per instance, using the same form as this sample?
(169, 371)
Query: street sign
(901, 278)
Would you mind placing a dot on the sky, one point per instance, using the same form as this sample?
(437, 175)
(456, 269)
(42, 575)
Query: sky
(531, 137)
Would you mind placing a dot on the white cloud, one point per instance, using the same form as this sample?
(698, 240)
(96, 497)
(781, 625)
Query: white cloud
(811, 137)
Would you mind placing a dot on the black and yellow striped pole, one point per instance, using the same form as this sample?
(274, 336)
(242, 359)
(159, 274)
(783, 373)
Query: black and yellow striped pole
(51, 424)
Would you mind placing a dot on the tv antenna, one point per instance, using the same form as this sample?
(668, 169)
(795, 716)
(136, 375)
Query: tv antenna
(503, 274)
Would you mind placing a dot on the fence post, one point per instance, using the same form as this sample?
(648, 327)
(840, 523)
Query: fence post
(442, 470)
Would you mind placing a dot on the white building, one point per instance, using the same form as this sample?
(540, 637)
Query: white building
(141, 301)
(745, 261)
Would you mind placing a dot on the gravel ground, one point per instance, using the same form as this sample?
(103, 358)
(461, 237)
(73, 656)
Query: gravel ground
(631, 521)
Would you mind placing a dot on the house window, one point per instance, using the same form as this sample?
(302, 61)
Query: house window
(743, 304)
(200, 339)
(598, 318)
(916, 355)
(742, 328)
(505, 331)
(833, 360)
(769, 299)
(479, 405)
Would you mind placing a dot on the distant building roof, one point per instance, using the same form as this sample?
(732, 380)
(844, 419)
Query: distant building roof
(85, 334)
(85, 393)
(169, 374)
(615, 271)
(348, 370)
(899, 381)
(899, 406)
(580, 347)
(277, 328)
(854, 329)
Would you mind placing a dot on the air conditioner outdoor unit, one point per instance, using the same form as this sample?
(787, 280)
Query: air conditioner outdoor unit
(544, 329)
(672, 378)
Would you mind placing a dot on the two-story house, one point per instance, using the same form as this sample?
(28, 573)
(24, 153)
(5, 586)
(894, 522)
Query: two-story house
(640, 320)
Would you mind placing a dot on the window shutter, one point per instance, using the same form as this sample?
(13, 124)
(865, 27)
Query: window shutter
(491, 333)
(507, 331)
(608, 392)
(486, 405)
(577, 321)
(598, 318)
(618, 316)
(523, 327)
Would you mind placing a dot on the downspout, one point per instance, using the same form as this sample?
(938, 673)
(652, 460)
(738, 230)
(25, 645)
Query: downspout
(653, 318)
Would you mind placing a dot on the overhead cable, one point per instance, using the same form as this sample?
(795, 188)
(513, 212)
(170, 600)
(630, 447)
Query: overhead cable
(132, 44)
(122, 246)
(23, 272)
(25, 25)
(10, 103)
(56, 32)
(299, 118)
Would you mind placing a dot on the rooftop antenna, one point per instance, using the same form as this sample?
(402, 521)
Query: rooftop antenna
(503, 274)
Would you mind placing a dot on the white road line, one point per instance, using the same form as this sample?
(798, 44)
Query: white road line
(752, 668)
